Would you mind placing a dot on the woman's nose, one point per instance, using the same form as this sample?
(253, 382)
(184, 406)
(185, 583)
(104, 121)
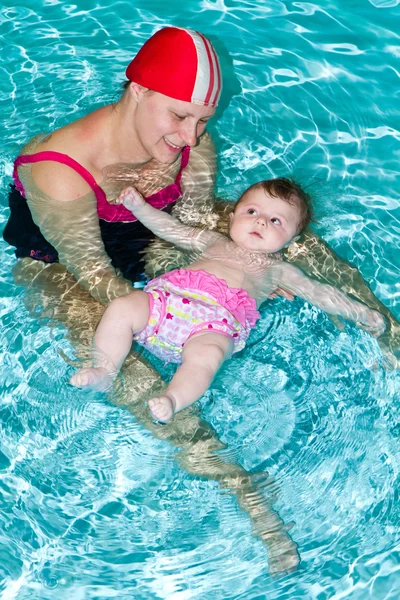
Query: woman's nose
(188, 134)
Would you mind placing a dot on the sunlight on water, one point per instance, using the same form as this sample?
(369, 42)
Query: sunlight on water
(93, 504)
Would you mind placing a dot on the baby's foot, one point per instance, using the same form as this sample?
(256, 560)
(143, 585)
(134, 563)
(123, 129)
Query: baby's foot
(162, 408)
(283, 556)
(92, 378)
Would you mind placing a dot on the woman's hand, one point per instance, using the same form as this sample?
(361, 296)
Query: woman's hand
(131, 199)
(281, 292)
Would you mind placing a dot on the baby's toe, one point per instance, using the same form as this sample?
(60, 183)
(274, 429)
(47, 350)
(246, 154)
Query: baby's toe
(159, 411)
(80, 379)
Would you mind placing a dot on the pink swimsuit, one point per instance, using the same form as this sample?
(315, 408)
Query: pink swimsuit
(106, 211)
(185, 302)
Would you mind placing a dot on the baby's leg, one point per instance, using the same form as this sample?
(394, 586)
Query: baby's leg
(202, 356)
(124, 317)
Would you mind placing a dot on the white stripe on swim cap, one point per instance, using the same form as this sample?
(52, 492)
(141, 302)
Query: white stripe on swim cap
(215, 92)
(207, 83)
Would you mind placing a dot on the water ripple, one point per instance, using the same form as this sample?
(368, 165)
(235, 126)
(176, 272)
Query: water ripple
(94, 504)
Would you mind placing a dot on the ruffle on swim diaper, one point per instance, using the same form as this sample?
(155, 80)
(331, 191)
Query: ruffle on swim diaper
(236, 300)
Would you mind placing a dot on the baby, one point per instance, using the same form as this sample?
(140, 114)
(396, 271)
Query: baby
(201, 315)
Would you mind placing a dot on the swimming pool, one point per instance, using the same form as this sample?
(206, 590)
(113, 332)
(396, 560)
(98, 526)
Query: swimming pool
(93, 505)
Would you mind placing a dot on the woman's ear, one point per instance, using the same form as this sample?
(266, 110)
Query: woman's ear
(137, 91)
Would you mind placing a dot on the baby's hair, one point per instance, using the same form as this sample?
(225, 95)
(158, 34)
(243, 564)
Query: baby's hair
(291, 192)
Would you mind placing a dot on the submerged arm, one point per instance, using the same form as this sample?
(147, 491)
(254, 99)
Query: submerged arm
(328, 298)
(197, 204)
(72, 227)
(196, 207)
(318, 260)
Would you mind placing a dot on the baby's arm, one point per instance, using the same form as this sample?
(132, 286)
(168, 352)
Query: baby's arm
(164, 225)
(330, 299)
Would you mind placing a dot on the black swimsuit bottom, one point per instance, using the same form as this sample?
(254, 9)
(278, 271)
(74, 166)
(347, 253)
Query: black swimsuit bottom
(123, 242)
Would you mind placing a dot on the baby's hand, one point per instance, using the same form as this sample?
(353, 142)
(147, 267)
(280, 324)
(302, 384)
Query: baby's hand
(131, 199)
(373, 322)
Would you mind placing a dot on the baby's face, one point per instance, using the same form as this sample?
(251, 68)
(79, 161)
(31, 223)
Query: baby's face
(263, 223)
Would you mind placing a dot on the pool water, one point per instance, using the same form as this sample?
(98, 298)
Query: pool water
(95, 506)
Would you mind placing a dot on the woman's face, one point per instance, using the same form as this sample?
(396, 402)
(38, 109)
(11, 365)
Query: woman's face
(164, 125)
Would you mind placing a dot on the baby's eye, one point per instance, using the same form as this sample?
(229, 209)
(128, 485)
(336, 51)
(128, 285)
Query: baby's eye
(275, 221)
(251, 211)
(179, 117)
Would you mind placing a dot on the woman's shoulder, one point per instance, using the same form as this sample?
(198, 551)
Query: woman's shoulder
(57, 177)
(58, 180)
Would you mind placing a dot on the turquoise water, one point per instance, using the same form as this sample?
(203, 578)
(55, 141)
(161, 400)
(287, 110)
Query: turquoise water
(92, 504)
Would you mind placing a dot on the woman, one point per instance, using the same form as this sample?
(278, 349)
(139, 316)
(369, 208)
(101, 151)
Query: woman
(154, 136)
(67, 231)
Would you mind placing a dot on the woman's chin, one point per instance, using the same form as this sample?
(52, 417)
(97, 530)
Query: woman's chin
(164, 159)
(167, 154)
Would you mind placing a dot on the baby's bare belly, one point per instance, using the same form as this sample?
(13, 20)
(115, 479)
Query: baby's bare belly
(234, 276)
(255, 284)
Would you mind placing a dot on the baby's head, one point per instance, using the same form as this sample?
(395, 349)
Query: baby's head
(269, 215)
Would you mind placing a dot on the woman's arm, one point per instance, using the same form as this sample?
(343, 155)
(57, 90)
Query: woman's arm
(315, 258)
(72, 227)
(196, 207)
(328, 298)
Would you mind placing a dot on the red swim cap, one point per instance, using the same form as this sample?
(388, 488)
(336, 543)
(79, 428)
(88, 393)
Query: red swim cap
(179, 63)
